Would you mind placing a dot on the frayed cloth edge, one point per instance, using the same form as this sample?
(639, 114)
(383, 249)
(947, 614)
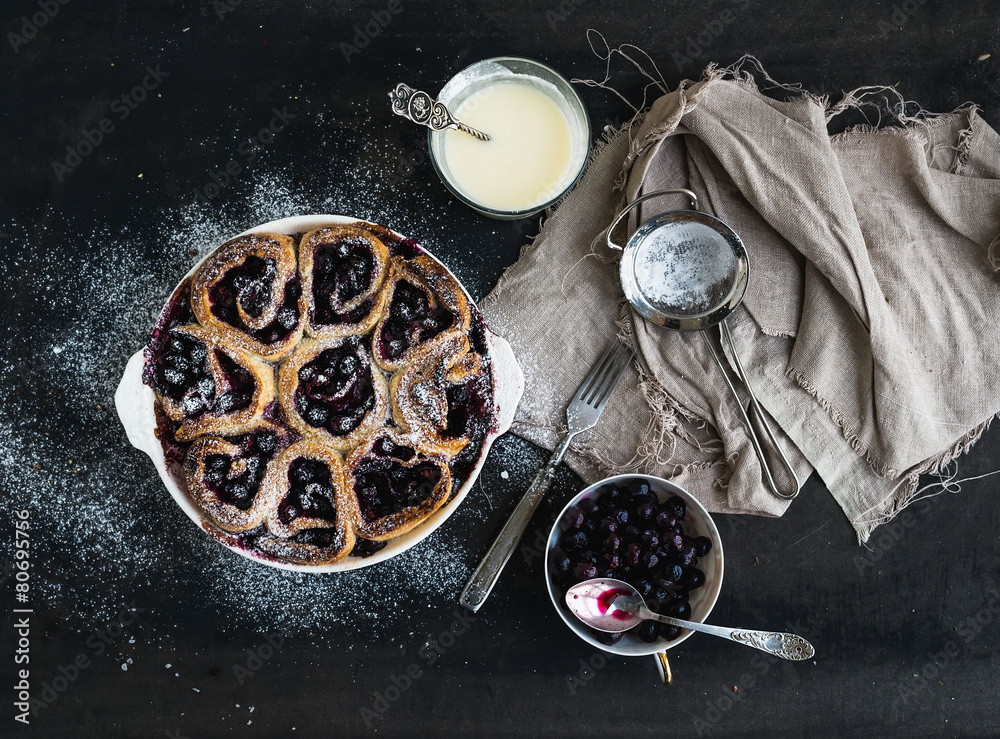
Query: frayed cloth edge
(851, 436)
(898, 501)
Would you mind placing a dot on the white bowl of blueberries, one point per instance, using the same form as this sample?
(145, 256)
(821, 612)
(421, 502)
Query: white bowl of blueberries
(653, 535)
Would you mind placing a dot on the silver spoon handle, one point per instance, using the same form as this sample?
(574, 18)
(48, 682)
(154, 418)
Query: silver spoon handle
(778, 643)
(419, 107)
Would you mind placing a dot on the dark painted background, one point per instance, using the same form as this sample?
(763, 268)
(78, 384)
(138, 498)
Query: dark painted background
(92, 247)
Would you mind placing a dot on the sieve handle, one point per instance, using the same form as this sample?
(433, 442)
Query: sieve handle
(726, 338)
(642, 199)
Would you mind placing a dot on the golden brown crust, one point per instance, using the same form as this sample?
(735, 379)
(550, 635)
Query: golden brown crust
(226, 515)
(405, 426)
(419, 391)
(374, 292)
(275, 247)
(289, 383)
(215, 422)
(440, 289)
(275, 488)
(398, 523)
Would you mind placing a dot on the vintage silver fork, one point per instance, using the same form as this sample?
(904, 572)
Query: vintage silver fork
(582, 413)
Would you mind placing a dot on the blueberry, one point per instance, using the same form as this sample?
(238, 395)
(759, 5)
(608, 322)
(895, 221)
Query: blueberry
(585, 571)
(649, 559)
(174, 377)
(647, 631)
(693, 578)
(673, 541)
(677, 506)
(672, 573)
(192, 405)
(668, 631)
(644, 510)
(664, 519)
(638, 488)
(559, 561)
(612, 543)
(688, 556)
(609, 525)
(679, 609)
(650, 538)
(572, 520)
(632, 533)
(702, 545)
(612, 559)
(606, 638)
(267, 443)
(632, 553)
(622, 516)
(577, 540)
(644, 586)
(588, 505)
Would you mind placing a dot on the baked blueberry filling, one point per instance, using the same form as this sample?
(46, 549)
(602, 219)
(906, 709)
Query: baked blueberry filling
(412, 320)
(384, 486)
(310, 493)
(342, 272)
(335, 389)
(182, 373)
(249, 285)
(256, 450)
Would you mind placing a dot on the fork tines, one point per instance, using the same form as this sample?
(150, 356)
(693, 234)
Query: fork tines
(596, 388)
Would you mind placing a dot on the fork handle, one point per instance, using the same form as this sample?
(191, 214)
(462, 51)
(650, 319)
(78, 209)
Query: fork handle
(477, 590)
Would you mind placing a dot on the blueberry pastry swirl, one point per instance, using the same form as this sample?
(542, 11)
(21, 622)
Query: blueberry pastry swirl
(208, 388)
(430, 396)
(332, 393)
(343, 269)
(249, 293)
(310, 511)
(422, 301)
(396, 486)
(224, 475)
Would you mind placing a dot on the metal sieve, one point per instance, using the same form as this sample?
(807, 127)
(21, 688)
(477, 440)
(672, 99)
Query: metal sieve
(687, 270)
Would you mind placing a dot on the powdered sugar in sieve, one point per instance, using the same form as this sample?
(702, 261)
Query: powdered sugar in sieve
(685, 268)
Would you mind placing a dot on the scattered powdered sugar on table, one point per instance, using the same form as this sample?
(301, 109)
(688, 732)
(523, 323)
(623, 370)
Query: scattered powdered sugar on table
(684, 268)
(105, 530)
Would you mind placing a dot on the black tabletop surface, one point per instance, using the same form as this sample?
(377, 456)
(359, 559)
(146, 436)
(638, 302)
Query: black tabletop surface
(138, 134)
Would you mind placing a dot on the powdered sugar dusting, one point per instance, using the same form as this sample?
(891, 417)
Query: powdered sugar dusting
(685, 268)
(105, 529)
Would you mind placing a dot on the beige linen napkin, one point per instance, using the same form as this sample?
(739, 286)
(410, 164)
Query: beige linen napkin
(869, 328)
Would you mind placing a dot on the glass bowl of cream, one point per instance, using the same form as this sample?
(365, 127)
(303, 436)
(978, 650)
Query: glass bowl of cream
(539, 137)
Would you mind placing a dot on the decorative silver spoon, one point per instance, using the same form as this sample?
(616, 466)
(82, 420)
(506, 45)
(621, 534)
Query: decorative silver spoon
(613, 605)
(421, 108)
